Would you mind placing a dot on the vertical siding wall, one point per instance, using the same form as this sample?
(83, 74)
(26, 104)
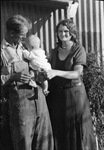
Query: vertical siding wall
(89, 19)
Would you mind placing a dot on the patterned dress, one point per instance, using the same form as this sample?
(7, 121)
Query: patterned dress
(68, 105)
(29, 117)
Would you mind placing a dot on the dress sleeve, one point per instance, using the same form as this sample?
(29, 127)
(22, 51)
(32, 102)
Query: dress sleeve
(80, 56)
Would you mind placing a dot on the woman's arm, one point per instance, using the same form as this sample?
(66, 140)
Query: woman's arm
(75, 74)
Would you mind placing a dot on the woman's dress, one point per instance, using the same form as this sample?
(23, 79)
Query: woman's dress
(68, 105)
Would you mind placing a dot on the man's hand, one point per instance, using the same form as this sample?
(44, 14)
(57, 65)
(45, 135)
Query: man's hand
(20, 77)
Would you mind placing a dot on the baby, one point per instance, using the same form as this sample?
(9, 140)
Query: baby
(37, 58)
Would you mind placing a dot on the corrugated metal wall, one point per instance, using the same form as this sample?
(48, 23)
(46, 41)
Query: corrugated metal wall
(89, 19)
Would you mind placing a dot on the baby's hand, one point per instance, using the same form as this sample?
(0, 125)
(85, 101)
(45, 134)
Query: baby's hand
(25, 53)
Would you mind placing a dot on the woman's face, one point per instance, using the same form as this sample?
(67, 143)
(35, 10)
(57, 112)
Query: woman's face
(63, 33)
(19, 37)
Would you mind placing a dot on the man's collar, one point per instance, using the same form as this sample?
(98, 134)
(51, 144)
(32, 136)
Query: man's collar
(6, 44)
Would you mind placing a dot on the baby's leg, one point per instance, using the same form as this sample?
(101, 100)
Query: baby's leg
(45, 87)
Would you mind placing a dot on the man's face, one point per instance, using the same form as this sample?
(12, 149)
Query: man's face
(19, 37)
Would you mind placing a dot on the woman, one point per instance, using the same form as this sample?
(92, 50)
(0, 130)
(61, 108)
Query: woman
(29, 118)
(68, 104)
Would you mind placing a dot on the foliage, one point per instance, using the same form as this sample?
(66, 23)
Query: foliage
(6, 140)
(94, 83)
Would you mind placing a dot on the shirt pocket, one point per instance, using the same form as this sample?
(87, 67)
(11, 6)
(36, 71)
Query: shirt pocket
(20, 66)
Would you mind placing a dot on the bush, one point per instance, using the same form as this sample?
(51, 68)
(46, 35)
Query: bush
(6, 140)
(94, 83)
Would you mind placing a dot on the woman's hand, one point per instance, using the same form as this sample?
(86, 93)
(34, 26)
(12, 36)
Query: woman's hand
(51, 73)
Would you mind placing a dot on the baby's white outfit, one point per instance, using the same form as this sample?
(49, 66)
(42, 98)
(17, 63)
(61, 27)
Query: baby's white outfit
(37, 59)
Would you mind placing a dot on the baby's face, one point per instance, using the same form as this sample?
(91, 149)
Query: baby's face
(32, 43)
(36, 45)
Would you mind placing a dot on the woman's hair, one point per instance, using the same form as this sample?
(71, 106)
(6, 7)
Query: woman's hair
(72, 30)
(17, 22)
